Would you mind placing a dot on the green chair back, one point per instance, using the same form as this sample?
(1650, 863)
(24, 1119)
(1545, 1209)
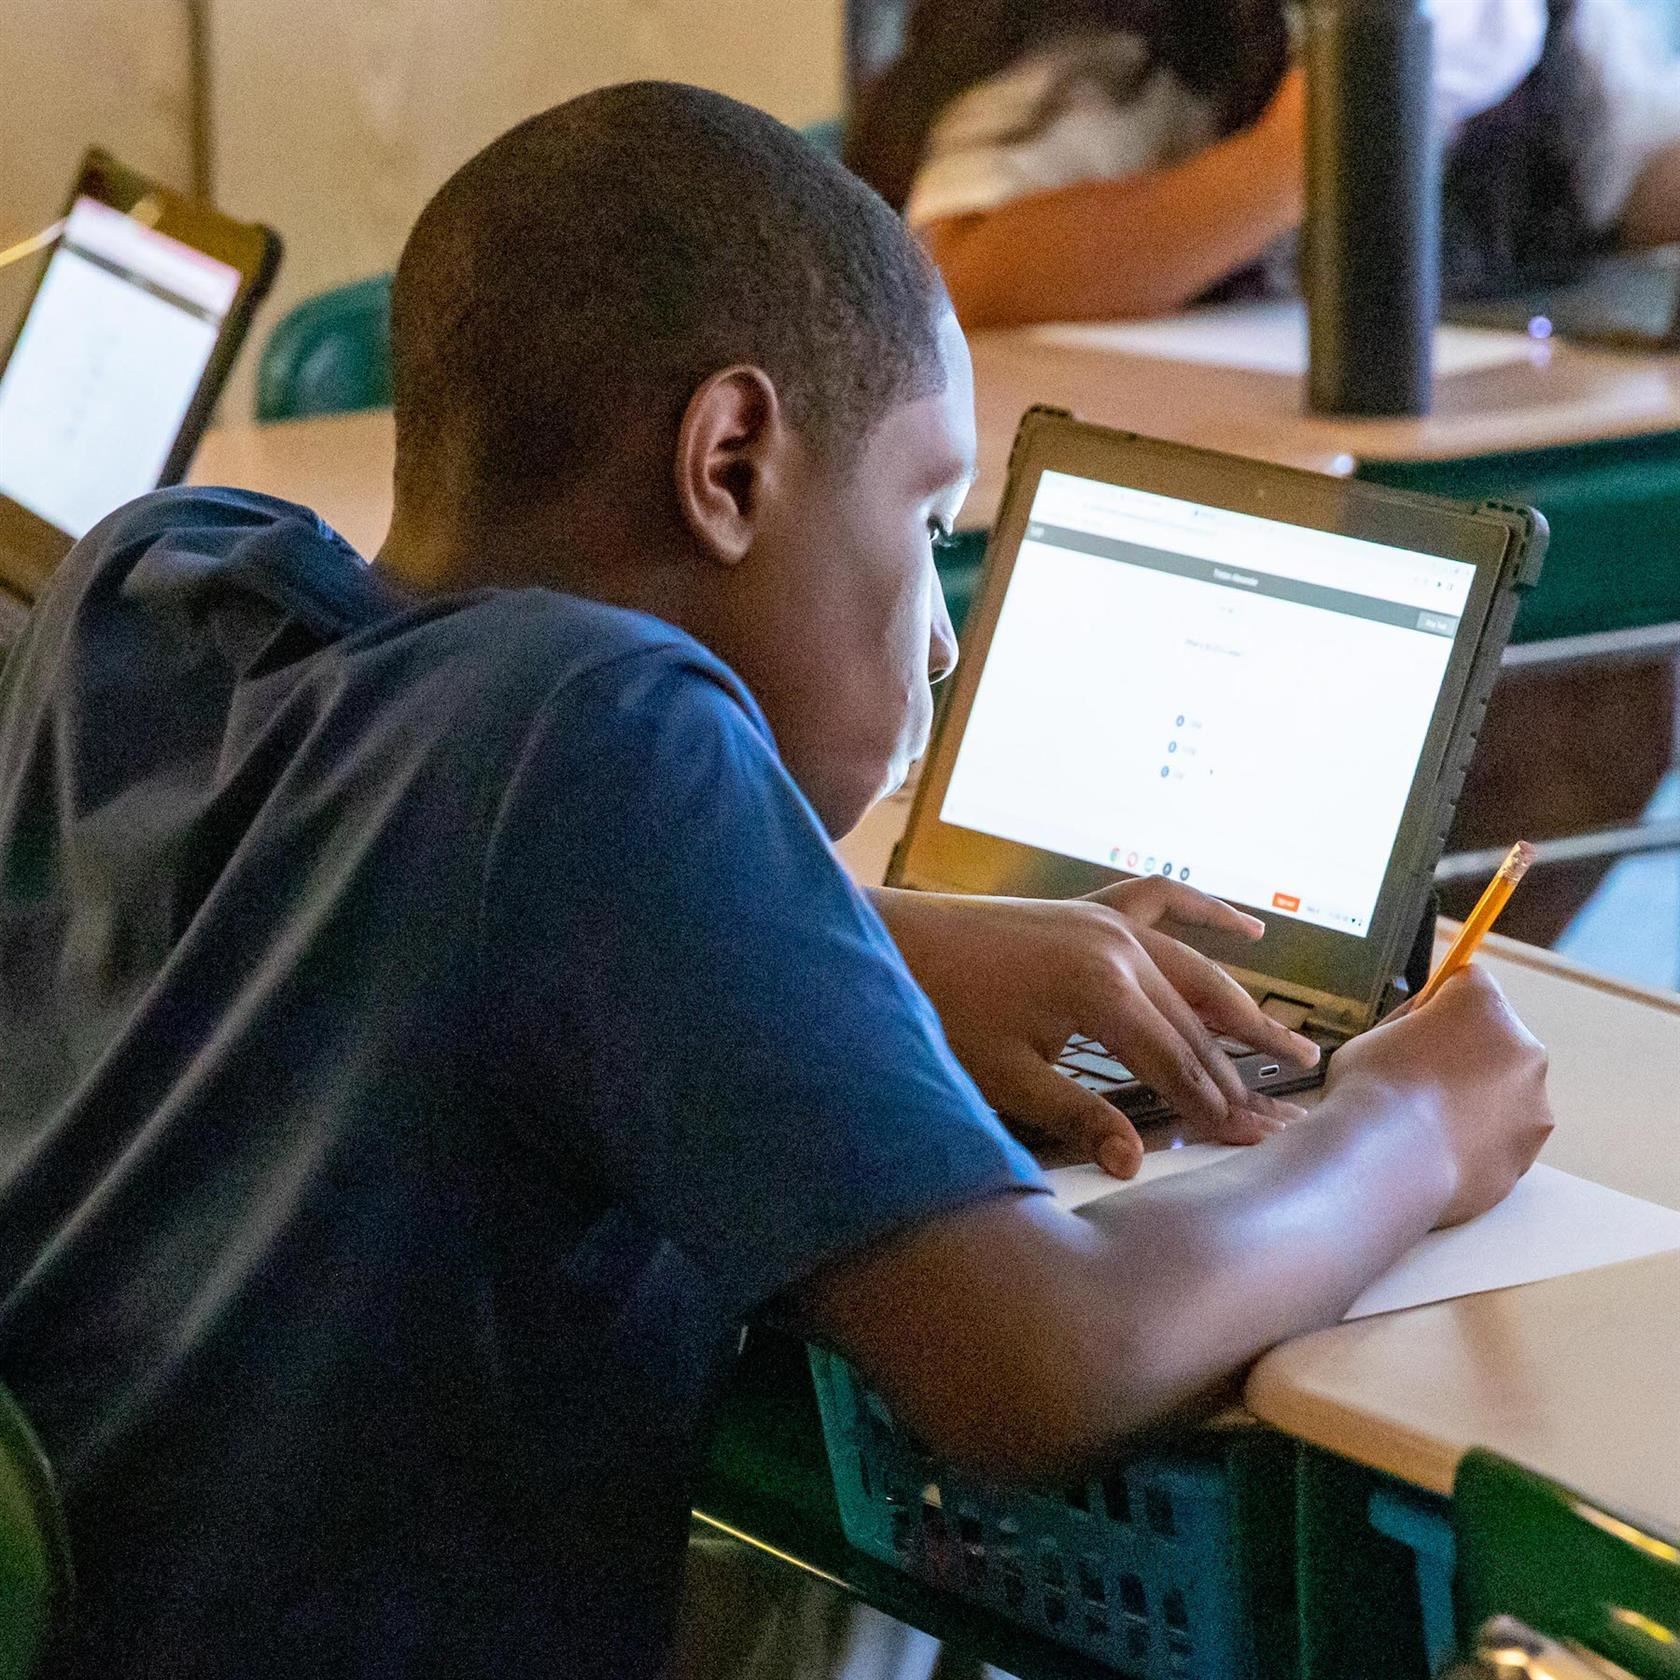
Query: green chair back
(329, 355)
(35, 1575)
(1531, 1549)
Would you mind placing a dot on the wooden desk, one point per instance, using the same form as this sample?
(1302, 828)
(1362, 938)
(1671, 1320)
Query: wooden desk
(1577, 1377)
(341, 465)
(1567, 395)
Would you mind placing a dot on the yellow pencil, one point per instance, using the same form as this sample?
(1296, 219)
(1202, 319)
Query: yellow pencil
(1488, 906)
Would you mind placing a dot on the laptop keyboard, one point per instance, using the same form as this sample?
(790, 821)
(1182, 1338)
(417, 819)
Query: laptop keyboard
(1091, 1064)
(1088, 1063)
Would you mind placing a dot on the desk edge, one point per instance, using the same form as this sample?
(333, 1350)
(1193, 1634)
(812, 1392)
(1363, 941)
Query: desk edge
(1396, 1449)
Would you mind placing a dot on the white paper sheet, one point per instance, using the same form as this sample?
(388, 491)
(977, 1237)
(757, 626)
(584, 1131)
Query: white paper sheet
(1552, 1224)
(1272, 338)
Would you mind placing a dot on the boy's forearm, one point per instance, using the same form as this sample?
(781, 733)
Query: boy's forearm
(1026, 1341)
(1269, 1243)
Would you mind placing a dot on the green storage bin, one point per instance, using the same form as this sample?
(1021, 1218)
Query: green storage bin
(1370, 1573)
(1423, 1526)
(1176, 1565)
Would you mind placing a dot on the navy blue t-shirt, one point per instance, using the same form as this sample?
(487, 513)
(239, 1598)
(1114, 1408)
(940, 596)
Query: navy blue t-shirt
(427, 1028)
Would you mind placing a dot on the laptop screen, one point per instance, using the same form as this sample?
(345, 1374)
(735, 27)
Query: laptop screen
(106, 366)
(1236, 701)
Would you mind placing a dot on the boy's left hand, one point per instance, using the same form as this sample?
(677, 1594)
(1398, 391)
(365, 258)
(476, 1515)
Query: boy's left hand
(1014, 978)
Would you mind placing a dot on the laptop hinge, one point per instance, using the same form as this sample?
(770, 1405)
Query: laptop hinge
(1289, 1004)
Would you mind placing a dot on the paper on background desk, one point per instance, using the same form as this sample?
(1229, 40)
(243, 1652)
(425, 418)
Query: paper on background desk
(1271, 338)
(1551, 1225)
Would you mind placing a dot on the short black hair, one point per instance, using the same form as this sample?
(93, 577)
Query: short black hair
(607, 256)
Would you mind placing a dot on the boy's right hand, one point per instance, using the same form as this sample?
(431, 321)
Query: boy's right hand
(1483, 1075)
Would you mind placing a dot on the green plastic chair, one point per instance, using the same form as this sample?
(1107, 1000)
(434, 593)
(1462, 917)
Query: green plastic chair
(35, 1575)
(1564, 1566)
(329, 355)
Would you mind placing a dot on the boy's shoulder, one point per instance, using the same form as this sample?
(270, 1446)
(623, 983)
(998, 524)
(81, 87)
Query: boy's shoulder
(558, 639)
(616, 683)
(296, 652)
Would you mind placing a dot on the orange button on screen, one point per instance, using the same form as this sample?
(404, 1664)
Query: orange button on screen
(1285, 901)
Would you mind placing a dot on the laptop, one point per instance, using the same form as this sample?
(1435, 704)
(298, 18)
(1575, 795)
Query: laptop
(1629, 302)
(1263, 682)
(135, 319)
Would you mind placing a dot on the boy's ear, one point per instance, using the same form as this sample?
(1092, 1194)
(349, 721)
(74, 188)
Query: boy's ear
(728, 456)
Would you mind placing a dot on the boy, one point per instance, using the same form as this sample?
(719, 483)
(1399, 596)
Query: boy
(433, 1016)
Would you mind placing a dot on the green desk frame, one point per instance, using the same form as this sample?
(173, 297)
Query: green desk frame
(1614, 510)
(1613, 506)
(1610, 590)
